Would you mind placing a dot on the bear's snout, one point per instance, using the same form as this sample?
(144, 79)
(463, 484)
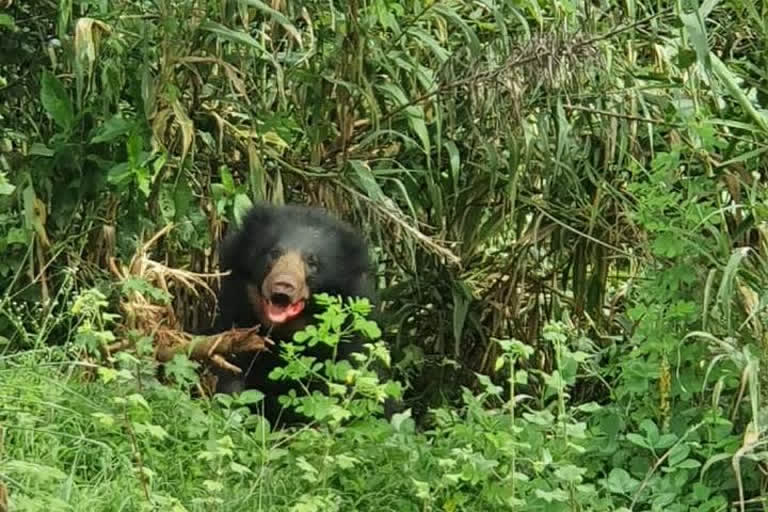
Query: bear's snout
(283, 290)
(286, 282)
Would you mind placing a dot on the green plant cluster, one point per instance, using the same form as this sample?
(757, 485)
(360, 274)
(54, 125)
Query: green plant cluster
(123, 440)
(568, 207)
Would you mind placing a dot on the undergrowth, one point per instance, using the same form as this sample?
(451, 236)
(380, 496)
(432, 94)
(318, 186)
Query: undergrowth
(82, 436)
(567, 206)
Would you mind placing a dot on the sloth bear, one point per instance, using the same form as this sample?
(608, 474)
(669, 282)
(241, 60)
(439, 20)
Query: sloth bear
(279, 258)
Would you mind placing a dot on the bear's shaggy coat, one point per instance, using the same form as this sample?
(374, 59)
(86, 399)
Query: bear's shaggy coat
(279, 258)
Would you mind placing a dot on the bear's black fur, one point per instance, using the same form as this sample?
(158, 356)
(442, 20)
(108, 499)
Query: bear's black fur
(279, 258)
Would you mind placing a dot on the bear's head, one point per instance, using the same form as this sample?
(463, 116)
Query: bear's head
(284, 255)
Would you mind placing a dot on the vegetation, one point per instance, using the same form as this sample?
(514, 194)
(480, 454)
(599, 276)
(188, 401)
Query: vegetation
(568, 205)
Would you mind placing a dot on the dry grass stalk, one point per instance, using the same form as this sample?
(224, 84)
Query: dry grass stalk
(160, 320)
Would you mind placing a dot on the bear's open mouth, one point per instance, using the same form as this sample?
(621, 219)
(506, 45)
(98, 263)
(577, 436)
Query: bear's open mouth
(278, 309)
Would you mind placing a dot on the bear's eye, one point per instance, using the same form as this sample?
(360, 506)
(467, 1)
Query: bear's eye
(312, 263)
(274, 254)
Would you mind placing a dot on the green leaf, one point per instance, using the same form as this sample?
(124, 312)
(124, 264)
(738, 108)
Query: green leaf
(685, 58)
(110, 130)
(638, 440)
(239, 469)
(729, 80)
(7, 21)
(415, 113)
(120, 173)
(557, 495)
(589, 407)
(38, 149)
(678, 454)
(249, 397)
(56, 101)
(137, 399)
(619, 481)
(454, 159)
(441, 53)
(689, 464)
(402, 422)
(369, 328)
(651, 430)
(694, 25)
(278, 17)
(155, 431)
(182, 197)
(367, 180)
(133, 147)
(570, 473)
(227, 181)
(182, 369)
(242, 204)
(6, 188)
(452, 15)
(32, 470)
(228, 34)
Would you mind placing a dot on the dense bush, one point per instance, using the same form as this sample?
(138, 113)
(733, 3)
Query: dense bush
(568, 206)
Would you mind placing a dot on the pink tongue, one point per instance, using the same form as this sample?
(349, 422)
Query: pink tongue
(280, 314)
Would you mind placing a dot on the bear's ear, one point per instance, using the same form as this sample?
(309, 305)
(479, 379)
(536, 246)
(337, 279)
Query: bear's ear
(243, 240)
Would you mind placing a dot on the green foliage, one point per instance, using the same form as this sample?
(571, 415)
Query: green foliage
(127, 440)
(596, 194)
(354, 387)
(141, 444)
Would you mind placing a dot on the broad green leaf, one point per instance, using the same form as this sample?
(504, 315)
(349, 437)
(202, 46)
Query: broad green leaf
(182, 198)
(556, 495)
(678, 454)
(250, 397)
(242, 204)
(115, 127)
(638, 440)
(227, 180)
(694, 25)
(619, 481)
(570, 473)
(56, 101)
(120, 173)
(39, 149)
